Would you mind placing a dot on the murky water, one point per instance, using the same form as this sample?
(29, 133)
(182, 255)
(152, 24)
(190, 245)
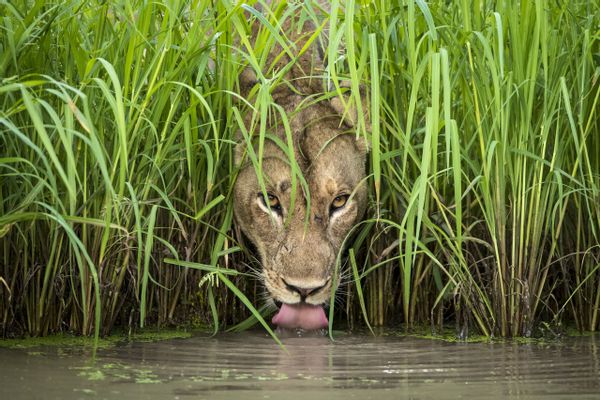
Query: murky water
(251, 366)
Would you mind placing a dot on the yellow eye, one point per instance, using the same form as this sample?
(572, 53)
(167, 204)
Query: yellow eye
(339, 202)
(271, 201)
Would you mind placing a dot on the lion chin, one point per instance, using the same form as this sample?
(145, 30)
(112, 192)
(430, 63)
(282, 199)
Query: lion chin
(298, 220)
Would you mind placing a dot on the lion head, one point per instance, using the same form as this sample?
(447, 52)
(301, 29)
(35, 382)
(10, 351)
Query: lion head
(298, 239)
(298, 221)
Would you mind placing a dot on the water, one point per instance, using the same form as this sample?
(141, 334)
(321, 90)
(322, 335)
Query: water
(251, 366)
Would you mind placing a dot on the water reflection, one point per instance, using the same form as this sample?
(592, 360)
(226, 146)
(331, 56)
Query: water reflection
(252, 366)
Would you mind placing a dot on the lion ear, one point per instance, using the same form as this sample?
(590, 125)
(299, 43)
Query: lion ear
(347, 109)
(238, 153)
(362, 144)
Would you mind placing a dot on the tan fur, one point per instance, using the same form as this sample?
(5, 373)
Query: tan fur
(295, 251)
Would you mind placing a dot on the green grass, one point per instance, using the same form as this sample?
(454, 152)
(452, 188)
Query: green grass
(118, 122)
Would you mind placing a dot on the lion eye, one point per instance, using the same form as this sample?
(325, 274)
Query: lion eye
(339, 202)
(271, 201)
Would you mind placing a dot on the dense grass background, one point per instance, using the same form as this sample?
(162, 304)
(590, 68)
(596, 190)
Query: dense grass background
(117, 127)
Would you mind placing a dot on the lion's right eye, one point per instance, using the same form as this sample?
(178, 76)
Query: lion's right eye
(271, 201)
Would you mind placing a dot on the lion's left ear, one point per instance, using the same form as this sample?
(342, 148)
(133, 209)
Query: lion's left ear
(348, 110)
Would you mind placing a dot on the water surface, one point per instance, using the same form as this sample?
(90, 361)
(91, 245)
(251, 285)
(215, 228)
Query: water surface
(251, 366)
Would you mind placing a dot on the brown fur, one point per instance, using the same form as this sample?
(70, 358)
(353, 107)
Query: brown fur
(295, 251)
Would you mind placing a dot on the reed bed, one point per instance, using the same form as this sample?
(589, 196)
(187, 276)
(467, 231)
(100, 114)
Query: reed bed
(118, 122)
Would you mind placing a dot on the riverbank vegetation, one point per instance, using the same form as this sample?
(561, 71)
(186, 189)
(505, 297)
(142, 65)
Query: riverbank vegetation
(117, 127)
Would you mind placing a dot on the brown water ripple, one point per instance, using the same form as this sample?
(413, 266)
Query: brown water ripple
(251, 365)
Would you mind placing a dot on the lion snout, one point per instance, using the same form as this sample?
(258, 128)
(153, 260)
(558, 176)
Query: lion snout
(299, 291)
(306, 289)
(302, 274)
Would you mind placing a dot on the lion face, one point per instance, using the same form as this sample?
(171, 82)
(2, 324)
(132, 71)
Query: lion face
(299, 222)
(298, 241)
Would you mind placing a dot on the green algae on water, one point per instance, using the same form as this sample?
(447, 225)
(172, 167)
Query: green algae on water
(68, 340)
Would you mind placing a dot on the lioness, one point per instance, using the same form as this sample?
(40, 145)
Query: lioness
(298, 252)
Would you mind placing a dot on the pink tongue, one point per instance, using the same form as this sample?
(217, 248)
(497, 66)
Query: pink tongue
(305, 316)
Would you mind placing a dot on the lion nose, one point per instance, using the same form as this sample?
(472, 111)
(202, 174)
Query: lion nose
(304, 292)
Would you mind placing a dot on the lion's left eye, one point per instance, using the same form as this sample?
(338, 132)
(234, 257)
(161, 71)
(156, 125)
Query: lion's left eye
(339, 202)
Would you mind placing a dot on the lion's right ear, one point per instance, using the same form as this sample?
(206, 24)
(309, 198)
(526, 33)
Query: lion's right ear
(240, 150)
(238, 153)
(240, 156)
